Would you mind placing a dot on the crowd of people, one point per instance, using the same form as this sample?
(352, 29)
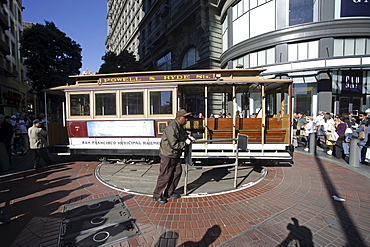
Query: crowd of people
(334, 132)
(20, 133)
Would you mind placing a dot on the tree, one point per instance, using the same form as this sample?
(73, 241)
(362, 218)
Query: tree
(50, 56)
(123, 62)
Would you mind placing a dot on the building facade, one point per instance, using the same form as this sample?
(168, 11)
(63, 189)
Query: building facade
(165, 34)
(123, 21)
(323, 45)
(13, 89)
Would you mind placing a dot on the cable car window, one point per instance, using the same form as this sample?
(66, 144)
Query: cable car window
(105, 104)
(132, 103)
(160, 102)
(79, 104)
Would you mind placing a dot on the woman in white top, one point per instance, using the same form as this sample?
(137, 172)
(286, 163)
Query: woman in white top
(309, 128)
(328, 125)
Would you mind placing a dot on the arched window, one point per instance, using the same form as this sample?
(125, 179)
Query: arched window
(190, 58)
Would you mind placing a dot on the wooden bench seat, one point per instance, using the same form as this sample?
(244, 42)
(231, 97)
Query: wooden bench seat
(221, 128)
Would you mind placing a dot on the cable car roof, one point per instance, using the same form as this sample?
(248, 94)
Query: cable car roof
(219, 77)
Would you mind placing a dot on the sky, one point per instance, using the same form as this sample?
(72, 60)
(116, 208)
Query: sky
(84, 21)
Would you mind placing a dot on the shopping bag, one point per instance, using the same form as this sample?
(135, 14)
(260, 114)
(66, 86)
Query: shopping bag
(362, 135)
(333, 136)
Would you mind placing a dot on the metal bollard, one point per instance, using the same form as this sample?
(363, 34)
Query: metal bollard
(313, 142)
(354, 153)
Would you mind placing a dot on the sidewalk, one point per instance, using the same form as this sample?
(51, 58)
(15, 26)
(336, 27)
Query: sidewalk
(292, 204)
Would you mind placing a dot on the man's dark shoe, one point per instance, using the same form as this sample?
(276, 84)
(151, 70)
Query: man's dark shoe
(160, 200)
(173, 196)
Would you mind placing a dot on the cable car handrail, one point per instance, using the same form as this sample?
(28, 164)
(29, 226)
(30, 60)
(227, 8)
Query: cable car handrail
(242, 142)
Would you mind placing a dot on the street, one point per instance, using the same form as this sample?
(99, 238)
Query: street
(292, 205)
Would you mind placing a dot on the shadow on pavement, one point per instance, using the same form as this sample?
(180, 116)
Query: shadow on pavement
(32, 198)
(349, 228)
(215, 174)
(298, 235)
(169, 239)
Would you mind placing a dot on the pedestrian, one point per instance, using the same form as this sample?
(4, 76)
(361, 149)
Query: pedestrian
(319, 129)
(340, 128)
(173, 141)
(294, 125)
(309, 128)
(353, 123)
(6, 135)
(37, 137)
(362, 117)
(365, 126)
(301, 124)
(327, 123)
(23, 134)
(348, 135)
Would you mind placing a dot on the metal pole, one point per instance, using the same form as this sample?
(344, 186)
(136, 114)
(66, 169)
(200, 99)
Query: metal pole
(263, 115)
(46, 112)
(186, 179)
(354, 154)
(236, 167)
(312, 146)
(206, 116)
(233, 112)
(188, 161)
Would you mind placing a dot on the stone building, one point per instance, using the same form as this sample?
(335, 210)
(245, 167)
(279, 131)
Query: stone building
(13, 89)
(165, 34)
(323, 45)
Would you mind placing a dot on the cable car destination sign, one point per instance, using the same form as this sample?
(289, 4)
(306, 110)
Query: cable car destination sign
(148, 78)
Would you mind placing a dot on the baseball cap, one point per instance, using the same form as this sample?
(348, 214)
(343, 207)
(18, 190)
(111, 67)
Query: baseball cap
(182, 113)
(36, 121)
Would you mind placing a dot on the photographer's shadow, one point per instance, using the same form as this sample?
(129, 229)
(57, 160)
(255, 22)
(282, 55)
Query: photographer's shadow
(298, 236)
(170, 238)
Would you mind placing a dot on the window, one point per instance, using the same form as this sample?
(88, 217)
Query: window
(300, 11)
(79, 104)
(225, 32)
(247, 16)
(105, 104)
(190, 58)
(270, 56)
(303, 50)
(241, 29)
(164, 63)
(351, 47)
(132, 103)
(160, 102)
(253, 59)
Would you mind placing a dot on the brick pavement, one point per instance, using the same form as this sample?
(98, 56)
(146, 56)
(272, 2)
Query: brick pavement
(292, 205)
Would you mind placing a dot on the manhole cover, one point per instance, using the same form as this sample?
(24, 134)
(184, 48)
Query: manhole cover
(98, 222)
